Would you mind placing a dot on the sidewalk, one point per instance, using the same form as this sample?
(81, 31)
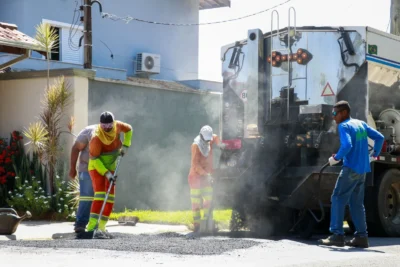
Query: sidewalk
(44, 230)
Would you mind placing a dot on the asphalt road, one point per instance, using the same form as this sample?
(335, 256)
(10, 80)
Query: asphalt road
(173, 249)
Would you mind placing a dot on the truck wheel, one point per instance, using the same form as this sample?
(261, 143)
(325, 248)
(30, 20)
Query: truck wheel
(387, 209)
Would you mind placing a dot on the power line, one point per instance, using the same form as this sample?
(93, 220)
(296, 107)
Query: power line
(74, 29)
(128, 19)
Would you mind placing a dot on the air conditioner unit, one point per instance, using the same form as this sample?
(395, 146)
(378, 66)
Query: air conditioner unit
(148, 63)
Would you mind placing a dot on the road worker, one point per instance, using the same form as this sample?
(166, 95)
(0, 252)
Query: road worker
(200, 174)
(81, 149)
(104, 148)
(350, 185)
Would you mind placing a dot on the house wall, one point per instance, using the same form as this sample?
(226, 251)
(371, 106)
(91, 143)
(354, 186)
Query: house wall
(40, 64)
(153, 175)
(21, 96)
(204, 85)
(178, 46)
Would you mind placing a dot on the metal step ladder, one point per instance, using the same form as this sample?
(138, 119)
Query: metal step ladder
(287, 50)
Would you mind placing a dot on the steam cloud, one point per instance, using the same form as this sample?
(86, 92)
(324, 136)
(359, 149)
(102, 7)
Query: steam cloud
(154, 173)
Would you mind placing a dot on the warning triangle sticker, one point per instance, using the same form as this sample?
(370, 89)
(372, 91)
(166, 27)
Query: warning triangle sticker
(327, 90)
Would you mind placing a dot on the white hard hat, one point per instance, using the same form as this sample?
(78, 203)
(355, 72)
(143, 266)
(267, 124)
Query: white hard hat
(206, 132)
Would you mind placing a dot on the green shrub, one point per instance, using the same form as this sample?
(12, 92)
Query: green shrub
(29, 196)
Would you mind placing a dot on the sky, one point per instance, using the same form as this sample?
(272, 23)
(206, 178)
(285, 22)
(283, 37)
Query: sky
(308, 13)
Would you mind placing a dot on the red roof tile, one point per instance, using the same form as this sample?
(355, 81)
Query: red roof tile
(10, 36)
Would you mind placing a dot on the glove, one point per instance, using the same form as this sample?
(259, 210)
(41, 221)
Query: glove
(222, 146)
(333, 161)
(124, 150)
(110, 176)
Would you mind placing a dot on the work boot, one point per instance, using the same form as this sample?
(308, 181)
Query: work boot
(79, 229)
(99, 234)
(195, 233)
(358, 242)
(333, 240)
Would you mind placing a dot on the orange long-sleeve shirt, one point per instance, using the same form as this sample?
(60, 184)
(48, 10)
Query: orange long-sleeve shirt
(102, 156)
(201, 165)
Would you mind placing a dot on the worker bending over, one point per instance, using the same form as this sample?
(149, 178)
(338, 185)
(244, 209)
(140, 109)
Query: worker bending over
(200, 179)
(104, 148)
(81, 149)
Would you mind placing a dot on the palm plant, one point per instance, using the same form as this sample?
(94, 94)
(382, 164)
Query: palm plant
(56, 99)
(44, 136)
(48, 39)
(74, 191)
(38, 135)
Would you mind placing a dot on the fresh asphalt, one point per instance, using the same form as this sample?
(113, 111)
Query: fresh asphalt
(152, 245)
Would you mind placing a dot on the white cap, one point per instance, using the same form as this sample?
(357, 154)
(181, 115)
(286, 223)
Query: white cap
(207, 133)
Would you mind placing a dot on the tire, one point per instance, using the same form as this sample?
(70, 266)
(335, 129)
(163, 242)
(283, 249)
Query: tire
(386, 205)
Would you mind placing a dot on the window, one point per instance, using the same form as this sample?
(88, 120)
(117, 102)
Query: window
(68, 49)
(55, 52)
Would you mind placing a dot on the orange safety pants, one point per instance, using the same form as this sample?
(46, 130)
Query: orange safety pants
(201, 196)
(100, 187)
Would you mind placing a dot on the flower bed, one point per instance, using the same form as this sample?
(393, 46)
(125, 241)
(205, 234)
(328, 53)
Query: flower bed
(10, 155)
(24, 184)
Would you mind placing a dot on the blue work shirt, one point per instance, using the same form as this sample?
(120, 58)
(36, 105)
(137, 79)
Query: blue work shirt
(354, 144)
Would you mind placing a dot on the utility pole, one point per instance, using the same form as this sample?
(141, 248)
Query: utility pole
(87, 25)
(395, 17)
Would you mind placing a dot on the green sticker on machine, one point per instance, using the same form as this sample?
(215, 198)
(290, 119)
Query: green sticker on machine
(373, 49)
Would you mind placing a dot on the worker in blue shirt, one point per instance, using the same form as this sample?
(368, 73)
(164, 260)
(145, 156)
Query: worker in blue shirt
(349, 188)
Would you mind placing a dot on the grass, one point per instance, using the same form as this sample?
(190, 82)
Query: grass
(222, 217)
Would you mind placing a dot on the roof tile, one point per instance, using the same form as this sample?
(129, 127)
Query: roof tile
(10, 36)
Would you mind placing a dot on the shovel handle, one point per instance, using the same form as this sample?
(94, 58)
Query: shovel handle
(108, 192)
(116, 168)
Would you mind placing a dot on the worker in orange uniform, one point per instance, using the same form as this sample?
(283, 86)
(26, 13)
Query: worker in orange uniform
(200, 179)
(104, 148)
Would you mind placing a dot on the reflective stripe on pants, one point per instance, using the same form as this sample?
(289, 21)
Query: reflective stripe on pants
(100, 186)
(201, 196)
(85, 199)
